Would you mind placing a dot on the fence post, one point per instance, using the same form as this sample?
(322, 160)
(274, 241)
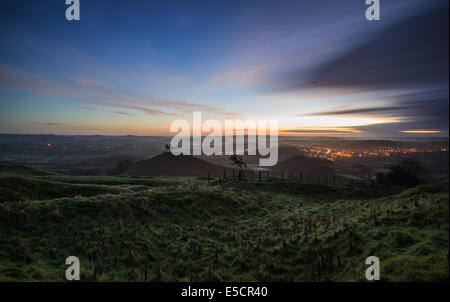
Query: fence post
(240, 175)
(259, 174)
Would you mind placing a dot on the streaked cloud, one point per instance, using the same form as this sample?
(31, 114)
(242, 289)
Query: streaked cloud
(321, 131)
(146, 110)
(103, 110)
(358, 111)
(410, 53)
(420, 131)
(49, 124)
(13, 79)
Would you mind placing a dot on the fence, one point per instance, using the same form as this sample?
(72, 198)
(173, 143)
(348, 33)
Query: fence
(309, 177)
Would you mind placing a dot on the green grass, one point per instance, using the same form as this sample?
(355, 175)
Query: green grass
(232, 231)
(119, 180)
(15, 188)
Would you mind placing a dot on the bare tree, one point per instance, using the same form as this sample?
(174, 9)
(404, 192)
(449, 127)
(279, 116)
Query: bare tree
(238, 161)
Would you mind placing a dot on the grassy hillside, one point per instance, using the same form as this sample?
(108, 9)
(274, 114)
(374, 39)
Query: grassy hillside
(8, 170)
(227, 231)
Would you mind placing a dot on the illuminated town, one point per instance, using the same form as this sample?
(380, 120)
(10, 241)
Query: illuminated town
(334, 154)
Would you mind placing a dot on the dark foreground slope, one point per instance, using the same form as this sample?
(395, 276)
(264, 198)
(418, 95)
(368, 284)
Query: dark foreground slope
(167, 164)
(305, 165)
(228, 232)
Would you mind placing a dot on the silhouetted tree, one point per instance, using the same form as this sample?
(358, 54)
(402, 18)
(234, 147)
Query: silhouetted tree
(406, 173)
(238, 161)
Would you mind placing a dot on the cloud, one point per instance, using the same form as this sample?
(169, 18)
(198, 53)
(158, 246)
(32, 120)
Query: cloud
(394, 129)
(425, 110)
(148, 111)
(186, 107)
(49, 124)
(12, 78)
(322, 131)
(417, 110)
(358, 111)
(411, 53)
(420, 131)
(15, 79)
(103, 110)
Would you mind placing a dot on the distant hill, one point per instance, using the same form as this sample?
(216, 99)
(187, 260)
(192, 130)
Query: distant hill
(284, 152)
(167, 164)
(305, 165)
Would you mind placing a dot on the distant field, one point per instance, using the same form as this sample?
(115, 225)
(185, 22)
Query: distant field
(186, 229)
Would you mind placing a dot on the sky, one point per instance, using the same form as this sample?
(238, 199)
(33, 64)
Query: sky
(317, 66)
